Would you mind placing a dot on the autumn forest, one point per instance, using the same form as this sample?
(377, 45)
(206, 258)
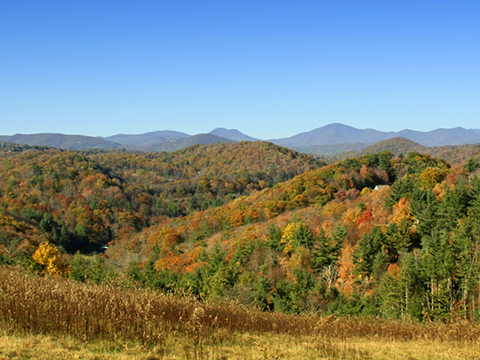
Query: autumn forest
(377, 235)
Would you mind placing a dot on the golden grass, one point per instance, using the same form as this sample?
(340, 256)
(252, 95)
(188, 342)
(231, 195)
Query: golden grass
(241, 346)
(49, 318)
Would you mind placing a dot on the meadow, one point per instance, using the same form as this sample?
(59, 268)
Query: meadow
(54, 318)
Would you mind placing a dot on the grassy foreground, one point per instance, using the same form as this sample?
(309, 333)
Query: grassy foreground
(46, 318)
(239, 346)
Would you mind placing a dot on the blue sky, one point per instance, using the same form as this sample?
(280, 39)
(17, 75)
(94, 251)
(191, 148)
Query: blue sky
(270, 69)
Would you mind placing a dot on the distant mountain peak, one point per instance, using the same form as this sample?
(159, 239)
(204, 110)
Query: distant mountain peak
(337, 133)
(232, 134)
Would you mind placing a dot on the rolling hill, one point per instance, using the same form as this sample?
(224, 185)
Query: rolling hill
(453, 154)
(254, 222)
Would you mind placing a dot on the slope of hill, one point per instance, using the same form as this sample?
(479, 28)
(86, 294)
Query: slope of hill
(458, 154)
(257, 223)
(396, 146)
(72, 142)
(330, 150)
(325, 241)
(232, 134)
(94, 197)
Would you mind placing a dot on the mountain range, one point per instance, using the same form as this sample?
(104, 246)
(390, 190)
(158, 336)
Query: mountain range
(328, 140)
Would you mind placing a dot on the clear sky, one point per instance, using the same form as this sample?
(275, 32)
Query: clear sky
(270, 69)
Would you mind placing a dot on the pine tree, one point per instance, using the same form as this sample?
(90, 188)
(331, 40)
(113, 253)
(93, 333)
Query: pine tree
(472, 165)
(424, 206)
(327, 249)
(402, 188)
(453, 207)
(466, 241)
(413, 284)
(390, 293)
(274, 237)
(302, 236)
(367, 249)
(438, 269)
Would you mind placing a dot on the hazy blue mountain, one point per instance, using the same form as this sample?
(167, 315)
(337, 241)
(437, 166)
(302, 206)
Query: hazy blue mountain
(328, 140)
(79, 142)
(150, 138)
(455, 136)
(334, 134)
(343, 134)
(232, 134)
(174, 145)
(72, 142)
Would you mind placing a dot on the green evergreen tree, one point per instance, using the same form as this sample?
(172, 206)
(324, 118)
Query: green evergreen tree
(466, 241)
(327, 249)
(453, 207)
(472, 164)
(302, 236)
(217, 257)
(100, 271)
(424, 206)
(438, 269)
(413, 284)
(368, 247)
(80, 267)
(400, 238)
(172, 208)
(391, 296)
(274, 237)
(402, 188)
(47, 223)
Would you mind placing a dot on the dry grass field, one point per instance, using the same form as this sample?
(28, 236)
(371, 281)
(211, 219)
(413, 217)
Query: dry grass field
(49, 318)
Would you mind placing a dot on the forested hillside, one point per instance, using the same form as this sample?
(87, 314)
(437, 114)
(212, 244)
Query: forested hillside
(253, 222)
(453, 154)
(82, 199)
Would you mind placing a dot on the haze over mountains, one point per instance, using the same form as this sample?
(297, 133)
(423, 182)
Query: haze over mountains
(327, 140)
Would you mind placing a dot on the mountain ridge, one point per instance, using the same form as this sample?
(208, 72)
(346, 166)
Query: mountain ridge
(328, 140)
(149, 138)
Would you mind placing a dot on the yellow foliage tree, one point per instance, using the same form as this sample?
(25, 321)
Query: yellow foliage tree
(432, 176)
(351, 216)
(49, 257)
(288, 235)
